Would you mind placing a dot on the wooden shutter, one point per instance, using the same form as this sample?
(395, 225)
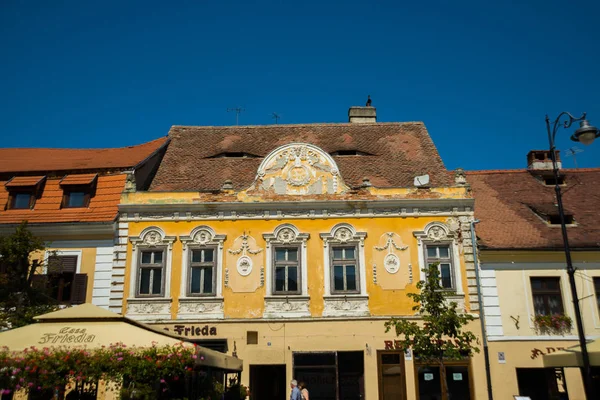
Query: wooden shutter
(79, 289)
(60, 264)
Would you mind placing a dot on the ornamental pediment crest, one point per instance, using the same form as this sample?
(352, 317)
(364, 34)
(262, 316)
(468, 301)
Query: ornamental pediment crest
(299, 169)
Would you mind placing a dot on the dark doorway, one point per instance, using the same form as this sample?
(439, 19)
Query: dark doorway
(351, 367)
(542, 383)
(267, 382)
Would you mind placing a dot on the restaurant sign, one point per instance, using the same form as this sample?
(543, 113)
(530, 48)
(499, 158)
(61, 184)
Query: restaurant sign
(67, 335)
(535, 353)
(193, 330)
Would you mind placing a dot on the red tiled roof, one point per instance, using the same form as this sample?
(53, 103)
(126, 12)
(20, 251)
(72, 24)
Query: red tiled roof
(102, 208)
(505, 202)
(26, 160)
(397, 152)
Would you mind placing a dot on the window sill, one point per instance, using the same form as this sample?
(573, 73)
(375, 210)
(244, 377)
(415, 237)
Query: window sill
(200, 307)
(346, 305)
(149, 308)
(287, 306)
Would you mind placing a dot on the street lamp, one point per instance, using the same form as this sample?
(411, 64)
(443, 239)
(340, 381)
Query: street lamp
(585, 135)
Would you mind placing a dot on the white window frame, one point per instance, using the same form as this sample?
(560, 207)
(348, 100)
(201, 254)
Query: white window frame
(59, 253)
(344, 234)
(437, 233)
(286, 235)
(199, 237)
(151, 238)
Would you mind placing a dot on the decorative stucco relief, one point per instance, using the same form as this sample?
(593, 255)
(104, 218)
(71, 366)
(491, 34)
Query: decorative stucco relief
(391, 262)
(344, 306)
(200, 308)
(246, 259)
(287, 307)
(299, 169)
(149, 309)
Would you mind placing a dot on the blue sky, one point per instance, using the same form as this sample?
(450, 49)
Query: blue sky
(481, 75)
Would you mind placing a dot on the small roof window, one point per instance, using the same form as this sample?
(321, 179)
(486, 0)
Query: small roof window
(78, 189)
(234, 154)
(23, 191)
(350, 152)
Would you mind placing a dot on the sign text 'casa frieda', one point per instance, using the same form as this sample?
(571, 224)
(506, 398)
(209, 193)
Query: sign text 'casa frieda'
(67, 335)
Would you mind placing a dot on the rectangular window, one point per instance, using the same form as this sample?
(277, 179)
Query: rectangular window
(151, 267)
(547, 296)
(286, 265)
(344, 267)
(202, 272)
(597, 289)
(76, 197)
(64, 283)
(442, 255)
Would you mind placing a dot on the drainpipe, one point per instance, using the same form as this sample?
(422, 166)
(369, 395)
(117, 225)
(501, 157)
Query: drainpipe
(486, 353)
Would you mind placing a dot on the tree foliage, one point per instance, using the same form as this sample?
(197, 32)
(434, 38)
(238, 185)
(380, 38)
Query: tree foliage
(440, 336)
(20, 298)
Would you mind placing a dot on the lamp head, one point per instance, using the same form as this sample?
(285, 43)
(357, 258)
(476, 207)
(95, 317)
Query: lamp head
(586, 133)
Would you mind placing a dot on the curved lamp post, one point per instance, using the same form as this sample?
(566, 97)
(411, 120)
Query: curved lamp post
(585, 135)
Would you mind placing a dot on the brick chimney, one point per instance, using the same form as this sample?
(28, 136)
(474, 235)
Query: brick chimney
(540, 160)
(362, 115)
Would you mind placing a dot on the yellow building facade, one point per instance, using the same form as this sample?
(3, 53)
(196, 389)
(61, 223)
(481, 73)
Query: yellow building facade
(292, 247)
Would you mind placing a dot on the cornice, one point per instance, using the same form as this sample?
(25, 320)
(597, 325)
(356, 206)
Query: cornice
(63, 229)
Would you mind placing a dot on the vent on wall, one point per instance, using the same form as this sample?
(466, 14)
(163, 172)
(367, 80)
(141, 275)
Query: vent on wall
(251, 337)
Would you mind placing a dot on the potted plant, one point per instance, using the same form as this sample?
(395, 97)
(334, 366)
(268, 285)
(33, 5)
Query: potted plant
(556, 324)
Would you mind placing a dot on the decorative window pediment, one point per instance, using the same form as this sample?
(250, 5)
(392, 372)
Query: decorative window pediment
(436, 232)
(202, 236)
(152, 237)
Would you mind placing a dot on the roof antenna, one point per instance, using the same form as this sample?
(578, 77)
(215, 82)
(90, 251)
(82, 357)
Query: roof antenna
(369, 101)
(276, 117)
(571, 153)
(238, 111)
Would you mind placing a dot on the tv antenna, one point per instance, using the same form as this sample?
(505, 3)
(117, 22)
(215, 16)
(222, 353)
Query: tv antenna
(276, 117)
(238, 111)
(571, 153)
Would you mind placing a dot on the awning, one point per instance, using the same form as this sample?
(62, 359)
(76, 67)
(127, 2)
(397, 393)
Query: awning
(91, 326)
(571, 357)
(78, 179)
(24, 181)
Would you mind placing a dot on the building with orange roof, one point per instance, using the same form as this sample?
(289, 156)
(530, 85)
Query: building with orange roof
(291, 245)
(70, 198)
(527, 301)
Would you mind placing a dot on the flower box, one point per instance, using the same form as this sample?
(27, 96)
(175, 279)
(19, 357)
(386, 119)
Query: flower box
(557, 324)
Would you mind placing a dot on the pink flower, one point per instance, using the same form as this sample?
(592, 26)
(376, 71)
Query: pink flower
(120, 359)
(194, 356)
(162, 381)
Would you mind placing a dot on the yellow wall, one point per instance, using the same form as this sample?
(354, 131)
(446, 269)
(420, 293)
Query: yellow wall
(245, 305)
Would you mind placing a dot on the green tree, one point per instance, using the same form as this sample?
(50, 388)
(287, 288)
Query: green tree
(20, 298)
(440, 336)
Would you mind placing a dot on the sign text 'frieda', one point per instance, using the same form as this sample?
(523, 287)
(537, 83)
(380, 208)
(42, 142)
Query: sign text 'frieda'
(193, 330)
(67, 335)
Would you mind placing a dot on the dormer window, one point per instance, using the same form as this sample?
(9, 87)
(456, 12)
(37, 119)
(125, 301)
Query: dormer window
(23, 191)
(77, 190)
(549, 214)
(349, 153)
(551, 181)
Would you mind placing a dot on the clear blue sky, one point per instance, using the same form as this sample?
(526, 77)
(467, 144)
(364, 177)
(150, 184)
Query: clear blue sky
(480, 74)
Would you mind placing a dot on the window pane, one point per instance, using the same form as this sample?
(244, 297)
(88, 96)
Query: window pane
(22, 200)
(555, 304)
(280, 254)
(351, 277)
(432, 251)
(195, 281)
(445, 275)
(146, 257)
(196, 256)
(145, 281)
(279, 279)
(292, 254)
(208, 281)
(158, 257)
(597, 287)
(76, 199)
(337, 253)
(444, 251)
(208, 255)
(292, 279)
(156, 280)
(536, 283)
(338, 277)
(349, 254)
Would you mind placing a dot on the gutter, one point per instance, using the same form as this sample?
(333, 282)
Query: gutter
(486, 354)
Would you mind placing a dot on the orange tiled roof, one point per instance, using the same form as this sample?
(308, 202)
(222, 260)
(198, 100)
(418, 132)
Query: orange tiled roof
(36, 159)
(102, 208)
(78, 179)
(23, 181)
(509, 203)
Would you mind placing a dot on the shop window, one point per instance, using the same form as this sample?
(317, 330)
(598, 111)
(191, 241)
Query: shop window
(434, 380)
(286, 265)
(542, 383)
(202, 272)
(441, 255)
(547, 296)
(344, 269)
(151, 273)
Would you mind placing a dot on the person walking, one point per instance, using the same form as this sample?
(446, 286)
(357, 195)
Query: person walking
(303, 391)
(295, 395)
